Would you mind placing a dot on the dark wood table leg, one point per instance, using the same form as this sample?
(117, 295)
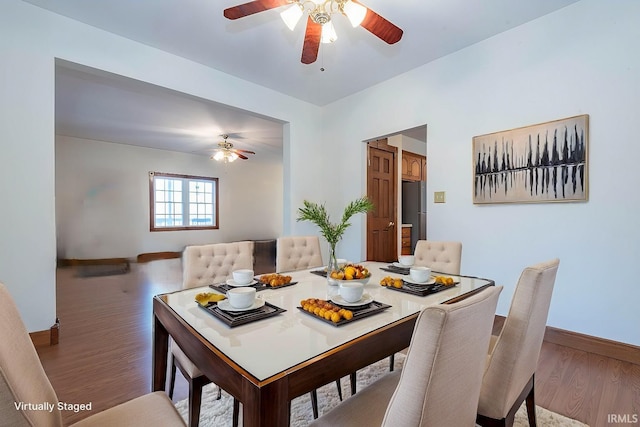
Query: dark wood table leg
(267, 406)
(160, 351)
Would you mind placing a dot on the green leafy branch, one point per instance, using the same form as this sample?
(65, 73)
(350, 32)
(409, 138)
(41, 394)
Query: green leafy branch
(318, 215)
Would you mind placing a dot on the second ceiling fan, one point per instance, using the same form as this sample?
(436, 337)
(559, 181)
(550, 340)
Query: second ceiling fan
(319, 25)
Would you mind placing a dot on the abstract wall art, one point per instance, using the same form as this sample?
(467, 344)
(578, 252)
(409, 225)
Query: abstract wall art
(546, 162)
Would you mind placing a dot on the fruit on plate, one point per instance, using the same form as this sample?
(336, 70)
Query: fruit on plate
(350, 272)
(275, 280)
(326, 310)
(444, 280)
(396, 282)
(204, 298)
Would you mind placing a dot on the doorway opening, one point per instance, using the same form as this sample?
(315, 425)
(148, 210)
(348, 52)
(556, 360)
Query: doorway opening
(397, 185)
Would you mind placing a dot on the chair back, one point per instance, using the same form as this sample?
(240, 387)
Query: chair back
(442, 257)
(514, 357)
(297, 253)
(442, 374)
(22, 378)
(207, 264)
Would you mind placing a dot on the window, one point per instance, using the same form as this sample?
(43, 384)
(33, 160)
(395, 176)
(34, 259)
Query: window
(182, 202)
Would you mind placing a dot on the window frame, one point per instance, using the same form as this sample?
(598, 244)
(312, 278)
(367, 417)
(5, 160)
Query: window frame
(186, 179)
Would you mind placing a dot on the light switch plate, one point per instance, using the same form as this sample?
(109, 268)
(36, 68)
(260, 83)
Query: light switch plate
(438, 197)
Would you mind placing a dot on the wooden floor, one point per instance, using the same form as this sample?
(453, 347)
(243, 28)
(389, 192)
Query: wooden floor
(104, 354)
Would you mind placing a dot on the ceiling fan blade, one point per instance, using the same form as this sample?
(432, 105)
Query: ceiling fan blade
(244, 151)
(243, 157)
(252, 7)
(380, 27)
(311, 42)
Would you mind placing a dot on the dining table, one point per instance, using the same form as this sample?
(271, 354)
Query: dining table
(268, 362)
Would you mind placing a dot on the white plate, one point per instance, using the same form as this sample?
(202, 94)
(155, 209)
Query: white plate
(431, 281)
(397, 264)
(225, 306)
(233, 283)
(366, 299)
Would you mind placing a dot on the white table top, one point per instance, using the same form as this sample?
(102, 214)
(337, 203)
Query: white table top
(273, 345)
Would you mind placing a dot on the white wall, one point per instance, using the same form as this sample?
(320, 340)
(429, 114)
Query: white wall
(581, 59)
(102, 199)
(30, 41)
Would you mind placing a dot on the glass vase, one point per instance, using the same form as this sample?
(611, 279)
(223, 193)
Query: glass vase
(332, 266)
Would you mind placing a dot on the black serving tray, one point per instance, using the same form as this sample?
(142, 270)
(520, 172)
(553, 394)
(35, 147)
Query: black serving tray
(232, 319)
(397, 270)
(359, 312)
(223, 287)
(421, 290)
(321, 272)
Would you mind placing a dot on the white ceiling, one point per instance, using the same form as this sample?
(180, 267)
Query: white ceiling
(260, 49)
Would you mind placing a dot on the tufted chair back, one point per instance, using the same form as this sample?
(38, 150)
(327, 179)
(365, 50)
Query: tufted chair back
(441, 257)
(207, 264)
(297, 253)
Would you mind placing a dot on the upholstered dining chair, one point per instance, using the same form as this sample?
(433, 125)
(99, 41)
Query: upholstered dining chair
(297, 253)
(440, 382)
(513, 354)
(442, 257)
(22, 379)
(205, 265)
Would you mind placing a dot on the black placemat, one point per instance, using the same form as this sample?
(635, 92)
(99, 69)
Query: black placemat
(421, 290)
(397, 270)
(359, 312)
(321, 273)
(223, 287)
(232, 319)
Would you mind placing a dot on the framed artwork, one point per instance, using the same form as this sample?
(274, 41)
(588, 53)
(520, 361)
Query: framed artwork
(547, 162)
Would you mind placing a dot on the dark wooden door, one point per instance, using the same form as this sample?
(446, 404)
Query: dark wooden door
(382, 190)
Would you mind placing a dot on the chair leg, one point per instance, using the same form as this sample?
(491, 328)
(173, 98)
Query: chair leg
(314, 403)
(172, 378)
(339, 389)
(236, 411)
(392, 361)
(531, 405)
(195, 396)
(219, 396)
(353, 380)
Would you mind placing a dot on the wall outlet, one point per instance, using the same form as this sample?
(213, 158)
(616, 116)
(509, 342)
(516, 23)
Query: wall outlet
(438, 197)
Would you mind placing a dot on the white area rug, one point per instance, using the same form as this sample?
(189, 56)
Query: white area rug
(217, 413)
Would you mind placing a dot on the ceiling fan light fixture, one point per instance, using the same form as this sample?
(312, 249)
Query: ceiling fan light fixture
(292, 15)
(225, 156)
(329, 34)
(355, 12)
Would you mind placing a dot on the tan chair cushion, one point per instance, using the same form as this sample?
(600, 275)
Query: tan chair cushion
(515, 351)
(367, 410)
(186, 363)
(154, 409)
(297, 253)
(440, 382)
(22, 378)
(442, 257)
(207, 264)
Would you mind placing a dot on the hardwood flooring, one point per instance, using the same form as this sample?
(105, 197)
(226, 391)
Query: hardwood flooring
(104, 354)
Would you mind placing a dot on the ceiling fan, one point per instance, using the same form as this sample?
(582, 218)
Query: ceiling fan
(319, 25)
(225, 151)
